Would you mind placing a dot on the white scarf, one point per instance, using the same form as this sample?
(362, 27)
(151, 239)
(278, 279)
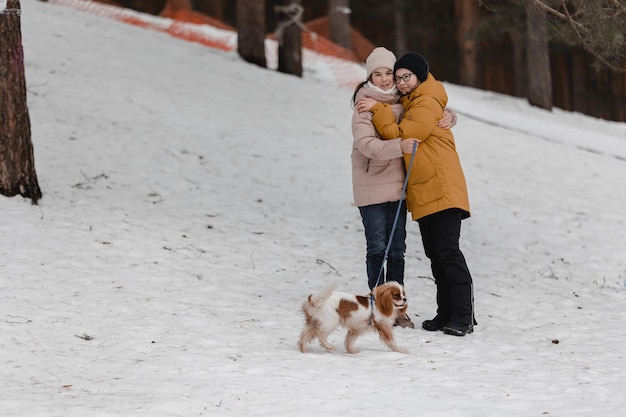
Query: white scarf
(392, 91)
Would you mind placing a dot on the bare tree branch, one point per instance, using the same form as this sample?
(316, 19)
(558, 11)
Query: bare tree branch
(574, 18)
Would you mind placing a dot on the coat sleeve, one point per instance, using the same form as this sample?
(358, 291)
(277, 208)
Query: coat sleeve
(369, 143)
(419, 120)
(384, 121)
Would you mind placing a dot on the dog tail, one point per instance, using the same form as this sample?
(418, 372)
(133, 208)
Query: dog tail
(315, 300)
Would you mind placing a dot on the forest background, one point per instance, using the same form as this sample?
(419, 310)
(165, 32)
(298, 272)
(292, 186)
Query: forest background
(476, 43)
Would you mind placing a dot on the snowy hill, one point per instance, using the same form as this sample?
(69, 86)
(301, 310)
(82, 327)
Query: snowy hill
(192, 201)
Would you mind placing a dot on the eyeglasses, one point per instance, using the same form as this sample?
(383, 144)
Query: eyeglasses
(406, 77)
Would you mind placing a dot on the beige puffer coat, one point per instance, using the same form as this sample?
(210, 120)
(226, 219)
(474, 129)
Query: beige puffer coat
(436, 181)
(377, 168)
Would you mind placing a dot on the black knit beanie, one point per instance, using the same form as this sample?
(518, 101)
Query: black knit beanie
(415, 63)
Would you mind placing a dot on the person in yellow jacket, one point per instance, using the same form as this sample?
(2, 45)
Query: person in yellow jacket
(436, 192)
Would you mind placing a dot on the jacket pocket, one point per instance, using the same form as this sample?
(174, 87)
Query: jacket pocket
(425, 185)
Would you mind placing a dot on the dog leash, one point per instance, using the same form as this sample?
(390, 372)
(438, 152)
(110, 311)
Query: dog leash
(395, 221)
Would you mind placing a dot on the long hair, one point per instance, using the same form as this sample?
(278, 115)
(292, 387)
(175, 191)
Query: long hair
(358, 87)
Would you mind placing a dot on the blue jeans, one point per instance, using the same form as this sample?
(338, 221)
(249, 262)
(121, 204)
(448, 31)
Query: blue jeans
(378, 222)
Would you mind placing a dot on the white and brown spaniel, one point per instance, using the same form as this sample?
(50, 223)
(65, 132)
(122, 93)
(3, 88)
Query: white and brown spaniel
(327, 310)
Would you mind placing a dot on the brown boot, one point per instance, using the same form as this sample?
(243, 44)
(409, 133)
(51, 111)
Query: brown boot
(404, 321)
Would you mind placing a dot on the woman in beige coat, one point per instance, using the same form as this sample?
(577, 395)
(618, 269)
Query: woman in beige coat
(436, 193)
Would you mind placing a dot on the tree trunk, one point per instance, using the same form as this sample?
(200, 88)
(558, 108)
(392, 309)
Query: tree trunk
(290, 37)
(579, 84)
(17, 162)
(339, 22)
(467, 13)
(518, 44)
(251, 31)
(399, 28)
(538, 57)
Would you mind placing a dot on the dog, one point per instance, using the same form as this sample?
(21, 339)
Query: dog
(328, 310)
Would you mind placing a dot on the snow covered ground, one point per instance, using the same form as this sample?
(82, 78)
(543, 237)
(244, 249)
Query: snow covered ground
(192, 201)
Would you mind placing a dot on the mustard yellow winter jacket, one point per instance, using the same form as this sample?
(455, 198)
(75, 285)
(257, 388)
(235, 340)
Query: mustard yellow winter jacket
(436, 181)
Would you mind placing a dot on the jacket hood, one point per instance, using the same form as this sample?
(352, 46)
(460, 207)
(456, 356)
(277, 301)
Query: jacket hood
(430, 88)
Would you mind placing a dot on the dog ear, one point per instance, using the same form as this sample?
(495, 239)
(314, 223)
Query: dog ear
(384, 300)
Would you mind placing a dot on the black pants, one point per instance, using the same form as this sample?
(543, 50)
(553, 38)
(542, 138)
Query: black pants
(440, 236)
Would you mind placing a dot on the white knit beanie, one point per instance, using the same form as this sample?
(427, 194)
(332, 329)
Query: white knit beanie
(379, 58)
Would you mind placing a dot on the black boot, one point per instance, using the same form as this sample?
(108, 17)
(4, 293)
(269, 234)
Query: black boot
(436, 324)
(456, 328)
